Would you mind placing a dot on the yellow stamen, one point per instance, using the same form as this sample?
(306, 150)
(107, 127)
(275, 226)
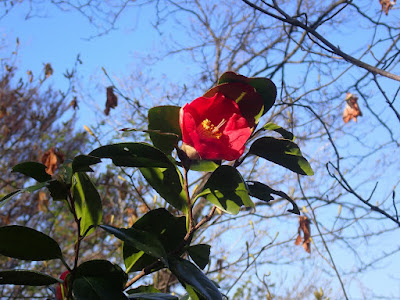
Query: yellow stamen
(208, 129)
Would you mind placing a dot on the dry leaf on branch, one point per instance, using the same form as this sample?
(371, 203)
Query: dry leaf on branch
(352, 110)
(112, 100)
(74, 103)
(387, 5)
(48, 70)
(304, 226)
(51, 159)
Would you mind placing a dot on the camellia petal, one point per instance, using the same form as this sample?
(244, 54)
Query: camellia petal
(214, 127)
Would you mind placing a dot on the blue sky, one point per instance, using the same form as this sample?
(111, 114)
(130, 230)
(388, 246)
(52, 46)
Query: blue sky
(59, 37)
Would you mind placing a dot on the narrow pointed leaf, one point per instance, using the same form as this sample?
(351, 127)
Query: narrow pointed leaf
(33, 170)
(153, 296)
(28, 189)
(283, 132)
(164, 119)
(263, 192)
(133, 155)
(168, 183)
(82, 163)
(226, 189)
(282, 152)
(87, 202)
(26, 277)
(142, 240)
(28, 244)
(190, 275)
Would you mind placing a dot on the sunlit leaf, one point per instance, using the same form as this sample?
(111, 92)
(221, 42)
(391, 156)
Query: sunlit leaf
(164, 119)
(133, 155)
(282, 152)
(26, 243)
(283, 132)
(87, 202)
(26, 277)
(33, 170)
(168, 183)
(203, 165)
(28, 189)
(226, 189)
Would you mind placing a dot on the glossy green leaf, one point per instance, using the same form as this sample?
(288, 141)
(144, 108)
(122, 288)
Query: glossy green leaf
(99, 279)
(33, 170)
(26, 277)
(164, 119)
(200, 254)
(82, 163)
(139, 239)
(264, 86)
(169, 230)
(226, 189)
(133, 155)
(203, 165)
(168, 183)
(190, 276)
(87, 202)
(283, 132)
(28, 244)
(282, 152)
(153, 296)
(263, 192)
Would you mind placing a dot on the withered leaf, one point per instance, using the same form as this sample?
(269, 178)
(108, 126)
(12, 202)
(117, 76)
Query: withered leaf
(51, 159)
(112, 100)
(48, 70)
(352, 110)
(304, 226)
(387, 5)
(74, 103)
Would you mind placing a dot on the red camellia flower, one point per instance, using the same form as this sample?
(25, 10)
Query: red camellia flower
(61, 289)
(213, 128)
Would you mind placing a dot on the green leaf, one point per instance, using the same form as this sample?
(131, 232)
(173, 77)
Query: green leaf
(168, 183)
(203, 165)
(28, 244)
(99, 279)
(26, 277)
(169, 230)
(200, 254)
(282, 152)
(139, 239)
(154, 296)
(87, 202)
(133, 155)
(33, 170)
(28, 189)
(58, 190)
(164, 119)
(190, 276)
(82, 163)
(263, 192)
(226, 189)
(283, 132)
(143, 289)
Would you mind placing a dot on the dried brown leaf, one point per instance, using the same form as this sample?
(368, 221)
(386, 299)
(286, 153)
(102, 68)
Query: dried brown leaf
(352, 110)
(51, 159)
(304, 228)
(387, 5)
(112, 100)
